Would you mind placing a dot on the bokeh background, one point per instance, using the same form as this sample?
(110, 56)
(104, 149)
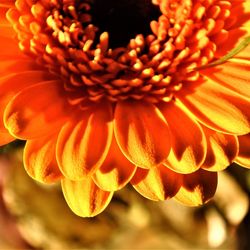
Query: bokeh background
(35, 216)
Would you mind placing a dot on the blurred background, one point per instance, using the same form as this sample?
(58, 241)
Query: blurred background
(35, 216)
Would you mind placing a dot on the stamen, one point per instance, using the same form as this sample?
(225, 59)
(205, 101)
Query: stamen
(229, 55)
(80, 41)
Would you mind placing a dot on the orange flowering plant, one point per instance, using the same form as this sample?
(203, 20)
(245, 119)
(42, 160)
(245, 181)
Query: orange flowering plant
(106, 93)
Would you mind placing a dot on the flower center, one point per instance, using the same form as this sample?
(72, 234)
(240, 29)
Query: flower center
(123, 19)
(122, 49)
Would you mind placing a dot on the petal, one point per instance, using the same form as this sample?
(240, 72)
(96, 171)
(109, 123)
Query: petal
(188, 142)
(83, 143)
(11, 49)
(233, 74)
(197, 188)
(142, 133)
(11, 84)
(5, 27)
(6, 30)
(243, 157)
(5, 138)
(240, 30)
(37, 110)
(3, 19)
(217, 107)
(221, 151)
(244, 8)
(158, 183)
(244, 54)
(235, 37)
(17, 65)
(40, 159)
(116, 171)
(7, 3)
(84, 198)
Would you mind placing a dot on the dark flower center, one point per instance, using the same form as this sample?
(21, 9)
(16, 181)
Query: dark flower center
(124, 19)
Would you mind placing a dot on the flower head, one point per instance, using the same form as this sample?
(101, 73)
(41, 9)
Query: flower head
(111, 92)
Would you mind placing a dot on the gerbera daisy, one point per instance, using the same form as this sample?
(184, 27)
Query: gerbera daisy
(111, 92)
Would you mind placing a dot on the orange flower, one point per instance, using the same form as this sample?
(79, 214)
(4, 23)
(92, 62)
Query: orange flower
(107, 93)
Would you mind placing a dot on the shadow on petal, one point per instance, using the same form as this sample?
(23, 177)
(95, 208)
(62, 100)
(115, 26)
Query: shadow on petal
(243, 157)
(158, 183)
(116, 171)
(221, 151)
(84, 141)
(142, 133)
(197, 188)
(40, 159)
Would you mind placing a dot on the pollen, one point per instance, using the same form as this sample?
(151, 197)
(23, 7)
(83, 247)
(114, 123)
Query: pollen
(63, 37)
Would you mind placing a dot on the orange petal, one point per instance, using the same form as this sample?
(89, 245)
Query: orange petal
(243, 157)
(158, 183)
(6, 30)
(15, 65)
(5, 26)
(40, 159)
(197, 188)
(235, 37)
(11, 84)
(142, 133)
(11, 49)
(83, 143)
(233, 74)
(221, 151)
(84, 198)
(244, 8)
(188, 142)
(244, 54)
(240, 30)
(37, 110)
(217, 107)
(5, 138)
(7, 3)
(3, 19)
(116, 171)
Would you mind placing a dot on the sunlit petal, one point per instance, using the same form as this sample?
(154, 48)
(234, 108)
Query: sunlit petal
(83, 142)
(158, 183)
(217, 107)
(188, 143)
(84, 197)
(142, 133)
(232, 75)
(197, 188)
(40, 159)
(116, 171)
(13, 83)
(27, 118)
(221, 151)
